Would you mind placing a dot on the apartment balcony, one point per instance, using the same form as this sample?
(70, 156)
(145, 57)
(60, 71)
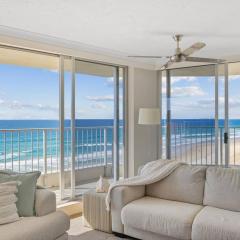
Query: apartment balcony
(31, 149)
(196, 145)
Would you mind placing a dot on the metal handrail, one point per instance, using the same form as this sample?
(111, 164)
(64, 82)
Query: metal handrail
(28, 149)
(195, 144)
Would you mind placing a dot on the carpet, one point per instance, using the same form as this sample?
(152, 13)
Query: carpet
(77, 231)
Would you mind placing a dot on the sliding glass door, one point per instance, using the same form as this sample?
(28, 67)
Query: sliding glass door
(62, 116)
(193, 115)
(200, 105)
(234, 113)
(29, 113)
(94, 124)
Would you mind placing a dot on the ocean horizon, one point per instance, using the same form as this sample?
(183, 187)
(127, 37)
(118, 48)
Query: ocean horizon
(22, 146)
(45, 123)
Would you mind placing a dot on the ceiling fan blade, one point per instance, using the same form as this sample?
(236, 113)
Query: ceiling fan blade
(205, 60)
(195, 47)
(132, 56)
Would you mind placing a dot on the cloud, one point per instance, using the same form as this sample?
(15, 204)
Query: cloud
(110, 81)
(205, 106)
(105, 98)
(190, 91)
(234, 77)
(98, 106)
(230, 78)
(206, 102)
(233, 102)
(179, 79)
(1, 101)
(17, 105)
(46, 107)
(186, 79)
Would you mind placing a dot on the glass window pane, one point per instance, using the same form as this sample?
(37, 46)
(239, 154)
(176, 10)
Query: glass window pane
(29, 113)
(193, 114)
(234, 113)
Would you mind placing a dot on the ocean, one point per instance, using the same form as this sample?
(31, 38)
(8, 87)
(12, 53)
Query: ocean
(198, 129)
(34, 144)
(19, 124)
(25, 143)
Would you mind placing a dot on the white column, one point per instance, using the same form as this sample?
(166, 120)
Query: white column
(226, 129)
(216, 116)
(116, 126)
(168, 132)
(159, 103)
(61, 126)
(125, 119)
(73, 129)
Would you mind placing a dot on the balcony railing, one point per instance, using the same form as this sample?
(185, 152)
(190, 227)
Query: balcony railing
(193, 144)
(196, 145)
(32, 149)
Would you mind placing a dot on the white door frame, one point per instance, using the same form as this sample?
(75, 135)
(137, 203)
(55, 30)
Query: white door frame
(226, 115)
(73, 143)
(61, 126)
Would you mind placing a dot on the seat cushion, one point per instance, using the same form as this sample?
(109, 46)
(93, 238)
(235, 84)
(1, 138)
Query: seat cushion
(216, 224)
(185, 184)
(144, 235)
(169, 218)
(48, 227)
(222, 188)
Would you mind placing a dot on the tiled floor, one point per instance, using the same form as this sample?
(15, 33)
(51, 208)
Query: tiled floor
(79, 190)
(79, 232)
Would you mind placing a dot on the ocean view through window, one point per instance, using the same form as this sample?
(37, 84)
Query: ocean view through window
(193, 114)
(30, 113)
(29, 107)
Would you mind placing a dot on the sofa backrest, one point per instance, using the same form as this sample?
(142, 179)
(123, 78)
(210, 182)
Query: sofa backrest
(185, 184)
(222, 188)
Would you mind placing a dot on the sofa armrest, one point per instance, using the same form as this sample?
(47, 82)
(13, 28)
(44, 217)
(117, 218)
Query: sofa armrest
(45, 202)
(121, 196)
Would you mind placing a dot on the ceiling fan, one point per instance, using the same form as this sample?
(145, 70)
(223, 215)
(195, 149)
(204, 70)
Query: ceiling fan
(184, 56)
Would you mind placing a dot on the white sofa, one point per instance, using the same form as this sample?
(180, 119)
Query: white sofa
(48, 224)
(194, 202)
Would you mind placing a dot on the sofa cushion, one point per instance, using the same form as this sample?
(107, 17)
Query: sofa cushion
(48, 227)
(222, 188)
(26, 190)
(216, 224)
(45, 202)
(185, 184)
(169, 218)
(144, 235)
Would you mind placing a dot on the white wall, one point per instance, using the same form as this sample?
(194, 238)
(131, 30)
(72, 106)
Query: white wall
(143, 140)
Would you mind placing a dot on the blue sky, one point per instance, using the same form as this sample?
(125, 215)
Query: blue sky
(193, 97)
(32, 93)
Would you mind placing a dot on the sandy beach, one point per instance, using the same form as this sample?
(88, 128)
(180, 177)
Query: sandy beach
(204, 153)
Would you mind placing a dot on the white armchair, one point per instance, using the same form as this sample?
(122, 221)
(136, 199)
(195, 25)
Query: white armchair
(48, 224)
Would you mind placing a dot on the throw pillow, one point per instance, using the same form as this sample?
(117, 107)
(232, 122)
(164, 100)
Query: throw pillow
(8, 199)
(26, 191)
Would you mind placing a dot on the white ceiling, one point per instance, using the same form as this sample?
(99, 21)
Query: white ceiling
(131, 27)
